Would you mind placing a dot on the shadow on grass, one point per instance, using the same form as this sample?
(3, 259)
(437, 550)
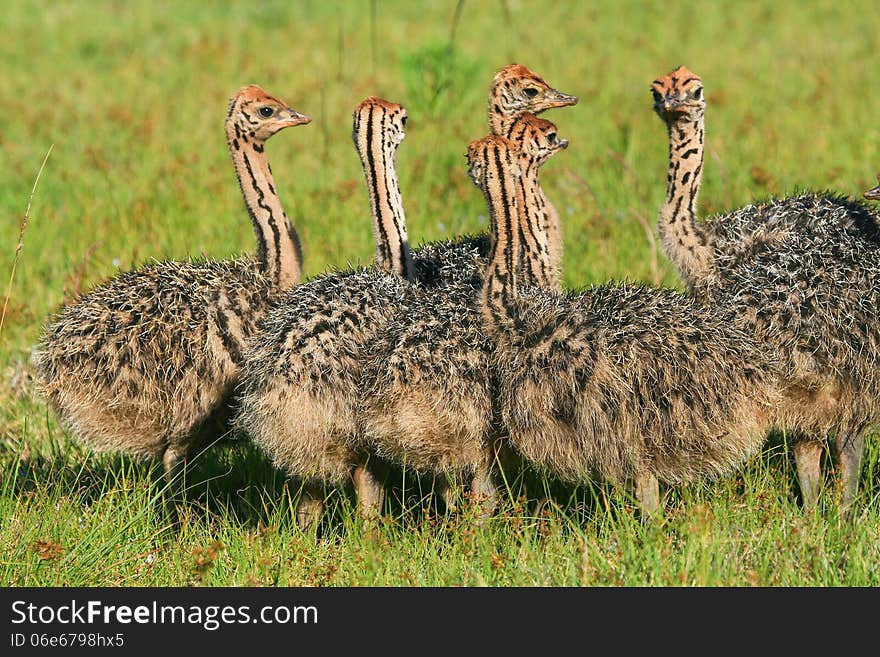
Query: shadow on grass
(234, 481)
(524, 494)
(523, 491)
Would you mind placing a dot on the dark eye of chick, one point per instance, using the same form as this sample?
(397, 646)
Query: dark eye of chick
(551, 137)
(530, 92)
(657, 95)
(266, 111)
(403, 120)
(698, 93)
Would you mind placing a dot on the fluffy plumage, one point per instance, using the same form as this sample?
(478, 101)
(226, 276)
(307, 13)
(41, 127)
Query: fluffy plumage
(803, 273)
(145, 362)
(428, 389)
(324, 445)
(617, 381)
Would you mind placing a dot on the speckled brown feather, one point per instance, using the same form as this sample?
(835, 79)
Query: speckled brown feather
(619, 379)
(311, 429)
(803, 273)
(428, 389)
(145, 362)
(299, 392)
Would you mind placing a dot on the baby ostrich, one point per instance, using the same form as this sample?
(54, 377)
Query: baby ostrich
(619, 382)
(515, 91)
(299, 388)
(803, 272)
(145, 363)
(300, 406)
(427, 390)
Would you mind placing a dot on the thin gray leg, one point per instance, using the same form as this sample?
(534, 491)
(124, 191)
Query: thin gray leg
(647, 490)
(310, 507)
(369, 491)
(485, 492)
(849, 448)
(174, 464)
(807, 457)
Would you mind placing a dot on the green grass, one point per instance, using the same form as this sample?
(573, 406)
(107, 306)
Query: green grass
(131, 96)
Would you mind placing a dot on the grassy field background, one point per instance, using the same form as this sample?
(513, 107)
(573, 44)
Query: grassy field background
(131, 97)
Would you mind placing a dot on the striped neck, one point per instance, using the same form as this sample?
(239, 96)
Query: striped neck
(540, 258)
(501, 124)
(537, 265)
(378, 130)
(278, 248)
(553, 231)
(497, 179)
(500, 116)
(684, 240)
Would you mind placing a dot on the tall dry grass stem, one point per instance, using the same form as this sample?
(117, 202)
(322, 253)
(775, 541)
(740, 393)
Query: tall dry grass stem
(21, 230)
